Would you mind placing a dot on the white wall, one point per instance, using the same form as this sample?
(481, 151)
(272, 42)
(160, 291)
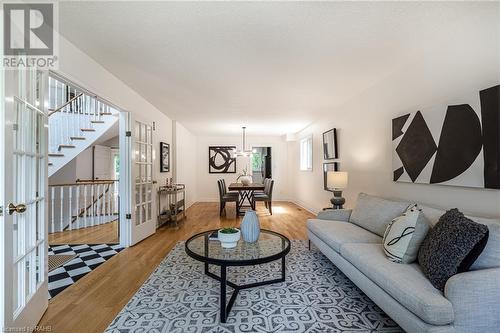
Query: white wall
(207, 183)
(186, 162)
(83, 70)
(459, 67)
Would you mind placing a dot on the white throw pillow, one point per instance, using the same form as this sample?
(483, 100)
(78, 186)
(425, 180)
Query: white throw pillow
(404, 234)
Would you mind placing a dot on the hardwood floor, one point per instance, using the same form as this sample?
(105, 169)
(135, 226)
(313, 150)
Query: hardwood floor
(94, 301)
(105, 234)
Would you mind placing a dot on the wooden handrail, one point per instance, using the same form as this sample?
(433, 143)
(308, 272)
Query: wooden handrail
(95, 180)
(65, 104)
(89, 182)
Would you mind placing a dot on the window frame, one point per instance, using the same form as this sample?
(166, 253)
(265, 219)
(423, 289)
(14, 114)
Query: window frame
(306, 146)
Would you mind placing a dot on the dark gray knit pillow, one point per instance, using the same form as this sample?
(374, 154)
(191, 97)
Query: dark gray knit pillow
(451, 247)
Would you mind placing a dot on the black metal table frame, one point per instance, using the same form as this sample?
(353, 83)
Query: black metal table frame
(245, 195)
(225, 308)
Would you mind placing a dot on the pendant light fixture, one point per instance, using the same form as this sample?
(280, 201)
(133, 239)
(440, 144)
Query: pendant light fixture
(243, 151)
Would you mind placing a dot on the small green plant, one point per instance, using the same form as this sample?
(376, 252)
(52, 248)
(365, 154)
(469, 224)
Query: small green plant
(228, 230)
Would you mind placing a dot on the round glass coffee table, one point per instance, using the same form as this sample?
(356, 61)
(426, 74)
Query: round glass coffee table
(269, 247)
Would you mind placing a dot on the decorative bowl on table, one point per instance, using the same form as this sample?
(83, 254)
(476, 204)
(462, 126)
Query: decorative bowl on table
(229, 237)
(246, 180)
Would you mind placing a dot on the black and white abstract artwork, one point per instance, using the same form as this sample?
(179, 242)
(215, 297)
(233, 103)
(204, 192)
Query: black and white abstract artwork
(455, 144)
(221, 160)
(165, 157)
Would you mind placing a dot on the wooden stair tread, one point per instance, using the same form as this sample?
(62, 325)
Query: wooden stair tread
(87, 130)
(77, 138)
(97, 121)
(56, 155)
(106, 114)
(66, 146)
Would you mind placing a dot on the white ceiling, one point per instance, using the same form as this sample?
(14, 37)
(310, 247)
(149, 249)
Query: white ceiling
(272, 66)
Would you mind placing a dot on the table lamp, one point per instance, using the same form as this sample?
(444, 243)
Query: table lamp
(336, 181)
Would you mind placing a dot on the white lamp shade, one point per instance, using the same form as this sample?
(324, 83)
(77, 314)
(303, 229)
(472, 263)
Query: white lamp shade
(336, 179)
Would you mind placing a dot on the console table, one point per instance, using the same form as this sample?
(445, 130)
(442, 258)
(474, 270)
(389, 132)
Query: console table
(175, 197)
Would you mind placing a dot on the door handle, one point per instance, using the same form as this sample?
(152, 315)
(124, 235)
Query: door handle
(20, 208)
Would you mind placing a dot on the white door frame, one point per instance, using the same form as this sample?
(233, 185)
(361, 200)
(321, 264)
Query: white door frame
(125, 185)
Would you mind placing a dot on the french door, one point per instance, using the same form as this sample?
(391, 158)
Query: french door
(137, 166)
(23, 192)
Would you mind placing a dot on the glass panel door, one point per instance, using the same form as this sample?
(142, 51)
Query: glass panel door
(143, 222)
(24, 180)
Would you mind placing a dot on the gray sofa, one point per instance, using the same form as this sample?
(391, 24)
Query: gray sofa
(352, 240)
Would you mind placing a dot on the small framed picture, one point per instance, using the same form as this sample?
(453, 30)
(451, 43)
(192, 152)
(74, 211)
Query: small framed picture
(329, 166)
(330, 144)
(165, 157)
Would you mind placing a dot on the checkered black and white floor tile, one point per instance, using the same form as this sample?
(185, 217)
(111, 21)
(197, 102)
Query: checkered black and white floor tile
(89, 256)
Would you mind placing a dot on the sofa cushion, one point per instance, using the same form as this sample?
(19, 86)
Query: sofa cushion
(405, 283)
(336, 233)
(490, 257)
(374, 213)
(451, 247)
(432, 214)
(404, 235)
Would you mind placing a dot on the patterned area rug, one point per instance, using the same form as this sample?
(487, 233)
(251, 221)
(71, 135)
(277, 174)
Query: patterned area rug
(87, 258)
(316, 297)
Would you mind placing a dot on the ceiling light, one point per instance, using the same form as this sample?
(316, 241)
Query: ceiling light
(243, 152)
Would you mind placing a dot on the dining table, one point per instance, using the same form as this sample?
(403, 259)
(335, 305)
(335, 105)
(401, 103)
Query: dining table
(246, 193)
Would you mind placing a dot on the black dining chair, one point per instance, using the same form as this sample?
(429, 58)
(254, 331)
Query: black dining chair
(225, 197)
(225, 188)
(267, 196)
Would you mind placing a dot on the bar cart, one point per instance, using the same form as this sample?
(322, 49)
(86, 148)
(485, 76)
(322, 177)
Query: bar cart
(175, 196)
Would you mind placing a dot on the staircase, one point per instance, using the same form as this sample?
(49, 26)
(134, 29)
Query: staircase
(76, 120)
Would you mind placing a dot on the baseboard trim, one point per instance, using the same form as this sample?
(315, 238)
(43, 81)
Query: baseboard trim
(304, 206)
(295, 202)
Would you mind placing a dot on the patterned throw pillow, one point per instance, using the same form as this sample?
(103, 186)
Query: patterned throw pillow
(404, 234)
(451, 247)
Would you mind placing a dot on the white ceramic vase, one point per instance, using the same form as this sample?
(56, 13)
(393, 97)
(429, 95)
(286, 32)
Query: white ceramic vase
(228, 241)
(246, 180)
(250, 227)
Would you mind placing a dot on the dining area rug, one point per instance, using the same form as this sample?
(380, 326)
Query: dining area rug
(316, 297)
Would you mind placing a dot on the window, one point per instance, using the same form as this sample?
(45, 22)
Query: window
(257, 161)
(306, 153)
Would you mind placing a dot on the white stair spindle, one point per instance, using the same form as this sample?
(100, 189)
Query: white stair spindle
(61, 200)
(110, 197)
(99, 204)
(85, 205)
(70, 198)
(77, 207)
(52, 200)
(93, 205)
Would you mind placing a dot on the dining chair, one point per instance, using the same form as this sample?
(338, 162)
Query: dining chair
(266, 197)
(226, 197)
(225, 188)
(264, 191)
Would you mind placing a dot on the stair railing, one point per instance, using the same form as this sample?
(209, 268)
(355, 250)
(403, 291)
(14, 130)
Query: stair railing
(71, 113)
(82, 204)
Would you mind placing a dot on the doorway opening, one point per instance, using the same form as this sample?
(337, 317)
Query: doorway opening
(261, 164)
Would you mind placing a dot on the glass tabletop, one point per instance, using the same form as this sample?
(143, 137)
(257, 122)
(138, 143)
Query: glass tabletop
(270, 246)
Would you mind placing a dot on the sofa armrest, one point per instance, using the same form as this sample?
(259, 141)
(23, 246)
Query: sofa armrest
(475, 297)
(335, 214)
